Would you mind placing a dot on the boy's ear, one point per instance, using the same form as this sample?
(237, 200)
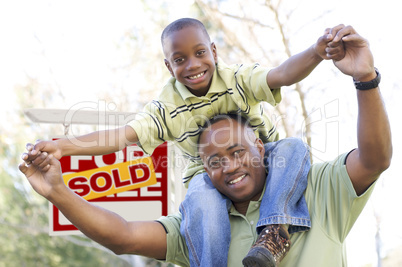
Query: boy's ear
(214, 52)
(168, 67)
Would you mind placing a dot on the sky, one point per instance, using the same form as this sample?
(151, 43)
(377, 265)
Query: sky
(72, 44)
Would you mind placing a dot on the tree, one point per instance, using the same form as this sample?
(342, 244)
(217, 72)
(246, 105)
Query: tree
(244, 31)
(261, 31)
(23, 214)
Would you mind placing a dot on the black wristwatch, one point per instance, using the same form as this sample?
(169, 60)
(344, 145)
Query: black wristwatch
(370, 84)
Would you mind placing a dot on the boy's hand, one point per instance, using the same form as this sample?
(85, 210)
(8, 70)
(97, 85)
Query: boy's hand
(34, 150)
(43, 173)
(327, 48)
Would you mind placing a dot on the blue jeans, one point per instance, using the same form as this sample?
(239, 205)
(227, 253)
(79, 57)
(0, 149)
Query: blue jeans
(205, 221)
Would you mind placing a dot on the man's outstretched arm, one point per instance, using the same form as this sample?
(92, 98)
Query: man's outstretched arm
(374, 152)
(103, 226)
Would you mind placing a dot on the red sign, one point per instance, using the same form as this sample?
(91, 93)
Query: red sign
(126, 182)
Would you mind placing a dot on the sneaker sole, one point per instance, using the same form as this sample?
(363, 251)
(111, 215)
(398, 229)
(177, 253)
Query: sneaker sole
(259, 257)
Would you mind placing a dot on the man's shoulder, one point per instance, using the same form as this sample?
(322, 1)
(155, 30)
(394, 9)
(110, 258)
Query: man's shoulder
(321, 168)
(331, 199)
(324, 175)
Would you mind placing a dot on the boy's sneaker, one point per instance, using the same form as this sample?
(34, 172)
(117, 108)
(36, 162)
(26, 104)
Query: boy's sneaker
(271, 246)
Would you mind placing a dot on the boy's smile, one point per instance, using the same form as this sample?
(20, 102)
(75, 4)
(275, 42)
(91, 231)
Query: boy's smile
(191, 58)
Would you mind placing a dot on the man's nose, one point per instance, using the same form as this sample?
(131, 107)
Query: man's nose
(230, 165)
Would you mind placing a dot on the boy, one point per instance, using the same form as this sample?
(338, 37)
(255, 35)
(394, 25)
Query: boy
(201, 87)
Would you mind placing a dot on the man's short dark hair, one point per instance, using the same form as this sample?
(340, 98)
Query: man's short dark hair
(245, 122)
(180, 24)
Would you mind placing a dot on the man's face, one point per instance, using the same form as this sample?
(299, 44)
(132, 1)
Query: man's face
(234, 160)
(191, 58)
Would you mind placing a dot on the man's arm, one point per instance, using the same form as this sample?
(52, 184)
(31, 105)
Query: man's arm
(374, 152)
(96, 143)
(299, 66)
(105, 227)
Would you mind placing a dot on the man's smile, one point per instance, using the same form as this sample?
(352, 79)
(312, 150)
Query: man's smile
(235, 181)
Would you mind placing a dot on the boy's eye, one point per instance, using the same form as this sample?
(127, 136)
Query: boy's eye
(199, 53)
(178, 60)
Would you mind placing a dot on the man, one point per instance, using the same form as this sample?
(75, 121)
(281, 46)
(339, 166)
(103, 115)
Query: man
(233, 157)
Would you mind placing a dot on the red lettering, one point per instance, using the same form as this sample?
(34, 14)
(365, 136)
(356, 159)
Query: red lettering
(79, 186)
(134, 172)
(116, 177)
(109, 159)
(94, 183)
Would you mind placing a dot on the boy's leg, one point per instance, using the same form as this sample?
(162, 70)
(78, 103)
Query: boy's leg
(288, 163)
(283, 202)
(205, 223)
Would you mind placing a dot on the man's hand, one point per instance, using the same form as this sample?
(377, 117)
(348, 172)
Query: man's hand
(43, 173)
(327, 48)
(358, 61)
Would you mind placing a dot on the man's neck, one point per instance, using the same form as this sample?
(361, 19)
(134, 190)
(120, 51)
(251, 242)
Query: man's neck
(242, 207)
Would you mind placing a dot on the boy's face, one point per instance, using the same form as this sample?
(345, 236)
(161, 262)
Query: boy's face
(191, 59)
(234, 159)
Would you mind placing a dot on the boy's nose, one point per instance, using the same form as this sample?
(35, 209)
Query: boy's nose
(193, 64)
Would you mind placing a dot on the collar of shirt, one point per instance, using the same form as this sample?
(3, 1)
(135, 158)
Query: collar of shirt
(217, 86)
(252, 206)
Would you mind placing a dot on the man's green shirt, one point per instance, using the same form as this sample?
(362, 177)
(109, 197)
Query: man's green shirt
(333, 206)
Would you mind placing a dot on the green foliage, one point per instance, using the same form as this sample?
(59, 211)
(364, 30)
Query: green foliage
(24, 234)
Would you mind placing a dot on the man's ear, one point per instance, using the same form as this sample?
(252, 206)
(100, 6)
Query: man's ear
(167, 64)
(207, 171)
(260, 146)
(214, 52)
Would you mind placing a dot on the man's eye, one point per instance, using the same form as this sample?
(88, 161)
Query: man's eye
(214, 163)
(238, 153)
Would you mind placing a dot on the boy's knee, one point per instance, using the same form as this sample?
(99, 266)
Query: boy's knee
(293, 142)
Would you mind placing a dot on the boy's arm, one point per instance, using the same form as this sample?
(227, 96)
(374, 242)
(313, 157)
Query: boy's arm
(299, 66)
(105, 227)
(96, 143)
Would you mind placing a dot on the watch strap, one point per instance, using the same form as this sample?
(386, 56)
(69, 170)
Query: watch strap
(370, 84)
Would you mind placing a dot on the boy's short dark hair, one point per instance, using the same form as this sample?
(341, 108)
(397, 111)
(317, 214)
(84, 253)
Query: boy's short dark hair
(182, 23)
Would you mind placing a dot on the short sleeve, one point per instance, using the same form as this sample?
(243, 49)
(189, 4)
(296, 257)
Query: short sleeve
(177, 251)
(332, 197)
(150, 126)
(253, 80)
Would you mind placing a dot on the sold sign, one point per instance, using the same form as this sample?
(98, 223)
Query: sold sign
(127, 182)
(112, 179)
